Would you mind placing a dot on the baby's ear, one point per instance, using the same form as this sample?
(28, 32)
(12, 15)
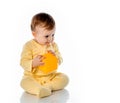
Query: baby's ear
(33, 33)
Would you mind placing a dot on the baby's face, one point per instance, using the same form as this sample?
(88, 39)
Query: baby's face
(43, 36)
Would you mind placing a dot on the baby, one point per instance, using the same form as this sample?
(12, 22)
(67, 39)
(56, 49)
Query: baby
(35, 81)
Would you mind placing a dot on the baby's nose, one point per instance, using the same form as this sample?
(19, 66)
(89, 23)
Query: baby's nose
(50, 39)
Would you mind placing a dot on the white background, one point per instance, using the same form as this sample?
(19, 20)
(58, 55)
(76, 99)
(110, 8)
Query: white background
(88, 35)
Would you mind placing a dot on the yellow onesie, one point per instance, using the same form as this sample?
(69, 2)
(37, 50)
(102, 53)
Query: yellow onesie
(34, 80)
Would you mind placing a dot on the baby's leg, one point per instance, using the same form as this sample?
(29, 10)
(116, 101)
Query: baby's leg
(59, 81)
(33, 87)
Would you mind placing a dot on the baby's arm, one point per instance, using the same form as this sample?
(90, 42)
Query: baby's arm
(27, 61)
(26, 58)
(57, 53)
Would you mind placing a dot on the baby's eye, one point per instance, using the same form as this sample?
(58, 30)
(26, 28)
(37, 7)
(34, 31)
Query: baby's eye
(46, 36)
(53, 35)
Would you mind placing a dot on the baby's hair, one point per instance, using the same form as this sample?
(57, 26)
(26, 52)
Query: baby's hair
(44, 20)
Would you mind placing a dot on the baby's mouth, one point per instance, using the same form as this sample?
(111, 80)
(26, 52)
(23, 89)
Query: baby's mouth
(47, 43)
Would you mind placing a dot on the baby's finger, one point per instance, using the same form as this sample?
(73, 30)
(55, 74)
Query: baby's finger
(42, 57)
(49, 51)
(39, 56)
(41, 63)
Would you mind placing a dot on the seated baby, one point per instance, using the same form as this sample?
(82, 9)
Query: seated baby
(40, 59)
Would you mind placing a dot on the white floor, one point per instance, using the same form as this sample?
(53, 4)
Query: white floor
(57, 97)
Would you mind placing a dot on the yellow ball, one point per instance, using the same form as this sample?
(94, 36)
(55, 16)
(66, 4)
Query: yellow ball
(50, 63)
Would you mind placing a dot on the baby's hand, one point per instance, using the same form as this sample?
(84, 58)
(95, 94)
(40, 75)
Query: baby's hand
(37, 61)
(50, 51)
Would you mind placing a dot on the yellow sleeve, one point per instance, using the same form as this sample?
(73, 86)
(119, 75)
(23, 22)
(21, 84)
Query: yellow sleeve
(58, 53)
(26, 58)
